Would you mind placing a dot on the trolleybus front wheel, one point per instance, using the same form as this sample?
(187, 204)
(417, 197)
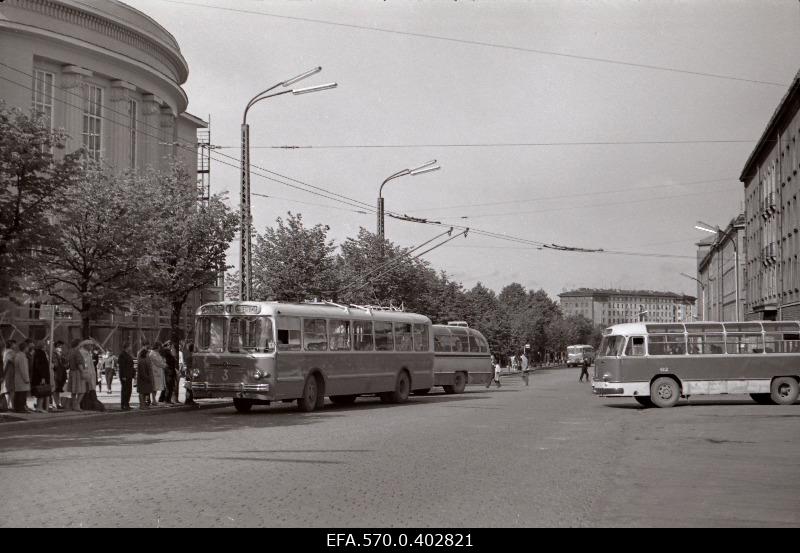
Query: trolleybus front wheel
(313, 397)
(242, 405)
(665, 392)
(784, 390)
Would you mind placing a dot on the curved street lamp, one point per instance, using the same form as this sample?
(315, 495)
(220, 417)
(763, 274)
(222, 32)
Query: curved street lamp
(245, 223)
(419, 170)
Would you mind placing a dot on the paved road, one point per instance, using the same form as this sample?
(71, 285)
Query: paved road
(545, 455)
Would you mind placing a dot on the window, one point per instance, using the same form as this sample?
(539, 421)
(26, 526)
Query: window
(383, 337)
(403, 337)
(441, 342)
(460, 339)
(362, 335)
(288, 333)
(421, 340)
(635, 347)
(211, 334)
(339, 335)
(43, 96)
(745, 343)
(92, 120)
(473, 343)
(667, 344)
(250, 334)
(706, 344)
(315, 337)
(132, 114)
(611, 346)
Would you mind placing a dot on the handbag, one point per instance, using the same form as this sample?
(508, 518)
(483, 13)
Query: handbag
(42, 390)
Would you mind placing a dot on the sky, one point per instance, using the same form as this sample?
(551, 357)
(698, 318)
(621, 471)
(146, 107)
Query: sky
(612, 125)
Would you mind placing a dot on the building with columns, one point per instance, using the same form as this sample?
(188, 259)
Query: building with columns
(111, 77)
(772, 215)
(610, 307)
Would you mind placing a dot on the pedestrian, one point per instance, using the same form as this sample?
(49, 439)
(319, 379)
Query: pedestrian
(22, 379)
(525, 366)
(41, 387)
(60, 370)
(584, 371)
(109, 367)
(78, 374)
(170, 372)
(125, 363)
(157, 366)
(188, 358)
(144, 378)
(8, 373)
(97, 363)
(496, 373)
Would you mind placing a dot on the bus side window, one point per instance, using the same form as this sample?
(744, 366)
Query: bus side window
(421, 342)
(362, 335)
(635, 346)
(441, 342)
(288, 333)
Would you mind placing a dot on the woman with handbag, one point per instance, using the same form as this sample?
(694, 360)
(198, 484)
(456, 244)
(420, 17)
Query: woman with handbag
(40, 378)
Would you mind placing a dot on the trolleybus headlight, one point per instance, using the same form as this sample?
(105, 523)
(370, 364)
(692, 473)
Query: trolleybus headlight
(195, 374)
(606, 377)
(259, 375)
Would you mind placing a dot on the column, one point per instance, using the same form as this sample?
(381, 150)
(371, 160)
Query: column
(119, 132)
(151, 121)
(72, 79)
(168, 145)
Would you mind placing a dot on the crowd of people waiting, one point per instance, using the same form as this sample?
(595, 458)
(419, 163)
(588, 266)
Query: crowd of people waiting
(28, 371)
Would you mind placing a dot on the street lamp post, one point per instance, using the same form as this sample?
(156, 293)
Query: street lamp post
(245, 222)
(703, 289)
(424, 168)
(705, 227)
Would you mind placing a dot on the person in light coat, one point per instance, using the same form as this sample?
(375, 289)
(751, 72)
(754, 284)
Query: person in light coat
(157, 366)
(8, 372)
(22, 381)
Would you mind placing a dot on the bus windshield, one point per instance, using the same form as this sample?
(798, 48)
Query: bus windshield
(612, 346)
(251, 334)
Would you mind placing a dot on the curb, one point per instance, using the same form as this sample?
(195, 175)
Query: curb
(103, 415)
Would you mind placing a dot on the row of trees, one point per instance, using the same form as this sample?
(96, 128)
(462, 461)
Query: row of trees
(83, 235)
(294, 262)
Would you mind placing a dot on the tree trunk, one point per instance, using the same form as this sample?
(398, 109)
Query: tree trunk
(86, 321)
(175, 321)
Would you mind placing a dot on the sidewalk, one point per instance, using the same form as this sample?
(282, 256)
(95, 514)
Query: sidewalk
(113, 408)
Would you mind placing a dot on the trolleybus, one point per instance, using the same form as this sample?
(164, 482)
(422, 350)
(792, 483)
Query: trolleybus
(461, 357)
(657, 364)
(260, 352)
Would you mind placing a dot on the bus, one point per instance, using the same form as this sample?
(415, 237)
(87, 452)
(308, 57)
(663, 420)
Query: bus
(657, 364)
(461, 357)
(263, 352)
(580, 355)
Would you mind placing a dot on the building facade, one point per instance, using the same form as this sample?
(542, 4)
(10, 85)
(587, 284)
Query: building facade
(721, 275)
(772, 216)
(111, 77)
(609, 307)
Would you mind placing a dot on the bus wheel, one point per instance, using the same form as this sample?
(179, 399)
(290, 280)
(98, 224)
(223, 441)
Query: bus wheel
(344, 400)
(644, 401)
(312, 395)
(664, 392)
(401, 390)
(784, 390)
(242, 405)
(762, 399)
(460, 383)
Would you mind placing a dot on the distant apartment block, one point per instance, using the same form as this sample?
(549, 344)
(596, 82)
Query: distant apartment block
(609, 307)
(772, 216)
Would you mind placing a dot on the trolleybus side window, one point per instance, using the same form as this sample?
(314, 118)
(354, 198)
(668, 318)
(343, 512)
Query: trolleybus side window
(484, 345)
(460, 339)
(473, 343)
(339, 335)
(745, 343)
(421, 340)
(252, 334)
(315, 337)
(403, 337)
(288, 333)
(441, 341)
(362, 335)
(383, 336)
(211, 334)
(666, 344)
(635, 346)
